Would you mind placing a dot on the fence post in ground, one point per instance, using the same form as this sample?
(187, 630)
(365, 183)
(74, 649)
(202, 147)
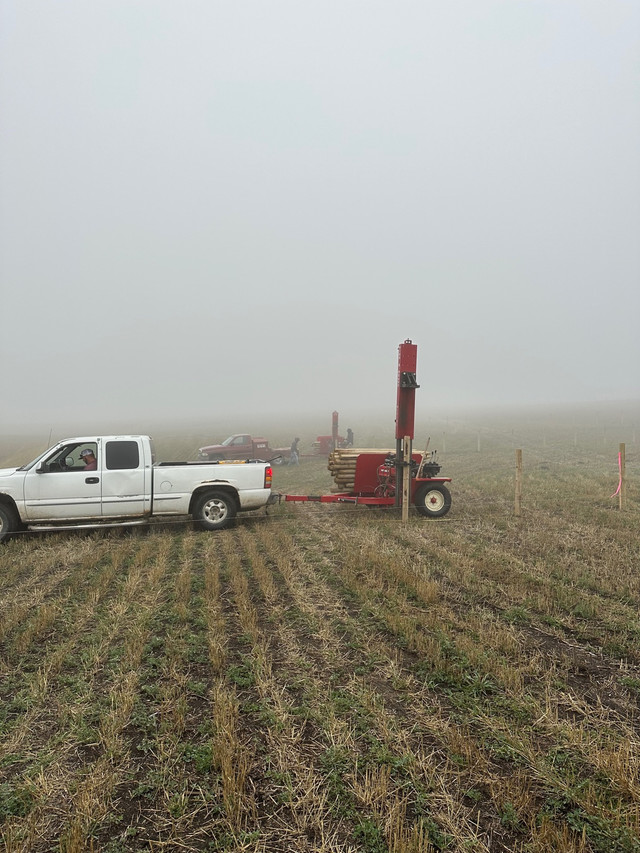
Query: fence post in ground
(623, 477)
(518, 503)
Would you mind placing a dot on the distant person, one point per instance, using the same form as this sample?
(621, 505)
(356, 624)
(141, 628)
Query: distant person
(294, 456)
(89, 459)
(349, 439)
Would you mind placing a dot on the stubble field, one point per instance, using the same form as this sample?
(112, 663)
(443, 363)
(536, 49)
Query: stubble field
(325, 678)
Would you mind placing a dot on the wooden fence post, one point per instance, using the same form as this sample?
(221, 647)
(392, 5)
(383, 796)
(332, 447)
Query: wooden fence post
(623, 477)
(518, 504)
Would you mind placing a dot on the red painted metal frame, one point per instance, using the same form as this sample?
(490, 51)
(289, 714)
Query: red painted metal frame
(366, 482)
(341, 498)
(366, 477)
(364, 499)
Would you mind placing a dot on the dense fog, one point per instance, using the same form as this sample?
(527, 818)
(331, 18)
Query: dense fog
(233, 213)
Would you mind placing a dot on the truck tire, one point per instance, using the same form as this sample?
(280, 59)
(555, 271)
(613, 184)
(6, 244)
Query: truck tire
(432, 501)
(215, 510)
(215, 457)
(8, 522)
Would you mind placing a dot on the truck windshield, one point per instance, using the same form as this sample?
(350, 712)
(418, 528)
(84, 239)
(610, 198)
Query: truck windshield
(227, 441)
(35, 461)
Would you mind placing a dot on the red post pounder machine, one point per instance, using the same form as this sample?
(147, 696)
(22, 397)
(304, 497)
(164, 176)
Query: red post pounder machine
(379, 477)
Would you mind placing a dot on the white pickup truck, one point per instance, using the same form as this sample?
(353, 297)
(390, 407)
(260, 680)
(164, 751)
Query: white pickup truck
(122, 483)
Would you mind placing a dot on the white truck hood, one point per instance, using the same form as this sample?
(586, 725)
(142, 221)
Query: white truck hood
(7, 472)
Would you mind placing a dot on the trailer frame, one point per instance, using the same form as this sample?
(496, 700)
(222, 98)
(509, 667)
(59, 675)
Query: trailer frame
(375, 484)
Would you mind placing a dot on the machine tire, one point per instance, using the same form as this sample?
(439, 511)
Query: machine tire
(9, 522)
(433, 501)
(215, 510)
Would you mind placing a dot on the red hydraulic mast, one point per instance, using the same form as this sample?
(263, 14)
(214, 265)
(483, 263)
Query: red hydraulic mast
(405, 407)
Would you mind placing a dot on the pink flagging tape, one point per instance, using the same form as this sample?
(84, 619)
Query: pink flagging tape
(617, 491)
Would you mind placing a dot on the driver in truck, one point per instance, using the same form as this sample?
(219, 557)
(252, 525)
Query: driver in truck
(89, 459)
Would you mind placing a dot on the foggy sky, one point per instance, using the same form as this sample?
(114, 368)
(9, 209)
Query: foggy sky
(213, 207)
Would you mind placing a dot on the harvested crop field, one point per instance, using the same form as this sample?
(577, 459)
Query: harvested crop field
(326, 678)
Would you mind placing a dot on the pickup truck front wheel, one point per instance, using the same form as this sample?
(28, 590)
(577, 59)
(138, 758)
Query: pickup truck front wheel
(8, 522)
(215, 510)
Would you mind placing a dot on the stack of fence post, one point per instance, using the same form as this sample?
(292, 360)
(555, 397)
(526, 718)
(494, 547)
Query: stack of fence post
(342, 465)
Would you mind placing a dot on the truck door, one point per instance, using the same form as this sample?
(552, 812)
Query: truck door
(126, 478)
(60, 487)
(241, 447)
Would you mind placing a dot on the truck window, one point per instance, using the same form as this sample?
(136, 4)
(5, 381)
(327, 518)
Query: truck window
(122, 454)
(68, 458)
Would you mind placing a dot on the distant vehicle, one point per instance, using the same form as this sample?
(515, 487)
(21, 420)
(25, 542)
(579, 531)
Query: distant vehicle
(124, 485)
(324, 444)
(243, 446)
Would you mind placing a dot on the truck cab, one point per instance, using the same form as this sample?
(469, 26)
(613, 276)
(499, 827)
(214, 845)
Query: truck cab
(98, 480)
(239, 446)
(59, 485)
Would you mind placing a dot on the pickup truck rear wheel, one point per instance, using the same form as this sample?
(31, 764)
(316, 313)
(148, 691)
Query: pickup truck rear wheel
(215, 510)
(8, 522)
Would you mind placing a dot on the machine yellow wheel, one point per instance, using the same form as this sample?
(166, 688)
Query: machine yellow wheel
(433, 501)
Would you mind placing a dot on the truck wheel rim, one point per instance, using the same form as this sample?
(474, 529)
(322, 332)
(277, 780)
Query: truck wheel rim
(214, 510)
(434, 500)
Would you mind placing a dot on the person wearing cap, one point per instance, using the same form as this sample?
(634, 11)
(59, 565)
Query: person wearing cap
(89, 459)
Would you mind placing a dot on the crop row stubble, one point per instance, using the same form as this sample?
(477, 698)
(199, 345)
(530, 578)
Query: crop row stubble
(324, 681)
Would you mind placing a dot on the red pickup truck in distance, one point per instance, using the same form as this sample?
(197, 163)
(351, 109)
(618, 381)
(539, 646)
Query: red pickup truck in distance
(244, 446)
